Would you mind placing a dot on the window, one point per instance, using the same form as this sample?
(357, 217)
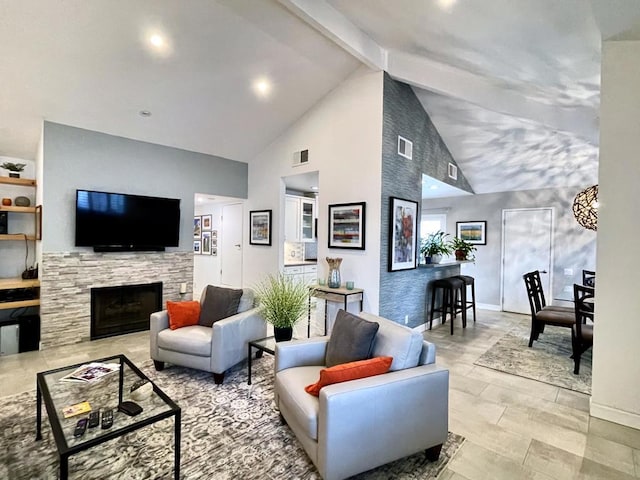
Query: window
(431, 223)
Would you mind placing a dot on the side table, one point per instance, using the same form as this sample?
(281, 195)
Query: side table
(267, 344)
(337, 295)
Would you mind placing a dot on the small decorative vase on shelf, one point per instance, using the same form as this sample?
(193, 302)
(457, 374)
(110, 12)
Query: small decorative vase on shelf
(436, 258)
(333, 281)
(283, 334)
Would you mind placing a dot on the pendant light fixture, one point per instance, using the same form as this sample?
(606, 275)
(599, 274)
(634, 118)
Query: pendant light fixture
(585, 207)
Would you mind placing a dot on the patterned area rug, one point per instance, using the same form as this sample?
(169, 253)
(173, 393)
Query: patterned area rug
(547, 361)
(229, 431)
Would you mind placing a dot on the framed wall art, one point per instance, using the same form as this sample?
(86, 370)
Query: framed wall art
(206, 223)
(196, 247)
(473, 232)
(347, 225)
(197, 227)
(206, 243)
(260, 227)
(403, 236)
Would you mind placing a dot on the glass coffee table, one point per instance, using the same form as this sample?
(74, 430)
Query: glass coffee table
(106, 393)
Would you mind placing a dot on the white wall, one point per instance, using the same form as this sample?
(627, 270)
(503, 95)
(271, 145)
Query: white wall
(616, 369)
(206, 268)
(343, 133)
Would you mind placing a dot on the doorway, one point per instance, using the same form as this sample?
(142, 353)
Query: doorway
(527, 245)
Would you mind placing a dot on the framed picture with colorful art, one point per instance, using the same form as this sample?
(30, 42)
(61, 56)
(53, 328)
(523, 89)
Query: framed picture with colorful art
(206, 222)
(260, 227)
(206, 243)
(403, 238)
(197, 227)
(346, 225)
(474, 232)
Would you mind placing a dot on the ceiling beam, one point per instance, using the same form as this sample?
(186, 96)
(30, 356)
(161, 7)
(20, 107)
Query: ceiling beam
(335, 26)
(491, 95)
(427, 74)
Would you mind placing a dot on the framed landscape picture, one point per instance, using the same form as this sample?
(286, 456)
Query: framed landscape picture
(206, 243)
(197, 227)
(347, 225)
(260, 227)
(403, 238)
(196, 247)
(473, 232)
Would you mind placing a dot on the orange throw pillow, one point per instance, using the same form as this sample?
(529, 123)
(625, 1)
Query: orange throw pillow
(350, 371)
(183, 314)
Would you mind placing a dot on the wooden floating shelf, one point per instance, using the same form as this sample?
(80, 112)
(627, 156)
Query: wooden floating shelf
(16, 236)
(25, 182)
(17, 282)
(18, 209)
(22, 303)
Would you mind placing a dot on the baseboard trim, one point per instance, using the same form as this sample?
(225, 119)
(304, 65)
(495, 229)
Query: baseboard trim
(614, 415)
(489, 306)
(425, 326)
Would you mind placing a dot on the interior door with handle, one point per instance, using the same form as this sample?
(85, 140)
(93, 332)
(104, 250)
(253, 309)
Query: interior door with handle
(527, 245)
(231, 245)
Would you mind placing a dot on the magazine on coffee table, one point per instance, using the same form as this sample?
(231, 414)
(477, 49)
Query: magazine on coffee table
(91, 372)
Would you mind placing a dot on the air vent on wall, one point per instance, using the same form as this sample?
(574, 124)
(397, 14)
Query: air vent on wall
(300, 158)
(453, 171)
(405, 147)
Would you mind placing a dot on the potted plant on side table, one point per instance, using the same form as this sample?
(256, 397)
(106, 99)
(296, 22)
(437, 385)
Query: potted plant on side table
(434, 246)
(283, 302)
(463, 249)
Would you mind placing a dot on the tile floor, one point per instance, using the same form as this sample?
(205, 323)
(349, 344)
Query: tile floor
(515, 428)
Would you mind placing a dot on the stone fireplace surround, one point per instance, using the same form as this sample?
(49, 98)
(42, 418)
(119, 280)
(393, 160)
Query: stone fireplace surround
(67, 278)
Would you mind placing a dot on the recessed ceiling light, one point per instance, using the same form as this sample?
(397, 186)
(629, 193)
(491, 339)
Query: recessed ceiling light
(313, 187)
(446, 4)
(157, 40)
(262, 87)
(144, 113)
(433, 187)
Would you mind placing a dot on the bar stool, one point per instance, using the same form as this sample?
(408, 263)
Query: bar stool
(464, 303)
(452, 291)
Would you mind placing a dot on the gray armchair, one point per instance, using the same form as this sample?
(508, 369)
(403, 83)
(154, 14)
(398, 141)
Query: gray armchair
(212, 349)
(361, 424)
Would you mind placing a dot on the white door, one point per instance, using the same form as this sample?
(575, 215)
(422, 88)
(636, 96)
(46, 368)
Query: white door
(526, 246)
(231, 245)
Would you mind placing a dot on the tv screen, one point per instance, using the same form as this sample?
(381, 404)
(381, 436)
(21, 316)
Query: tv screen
(121, 221)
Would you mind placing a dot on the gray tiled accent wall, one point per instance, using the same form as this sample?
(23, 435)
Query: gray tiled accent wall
(404, 292)
(67, 279)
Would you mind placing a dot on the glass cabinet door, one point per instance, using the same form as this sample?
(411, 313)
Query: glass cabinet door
(307, 212)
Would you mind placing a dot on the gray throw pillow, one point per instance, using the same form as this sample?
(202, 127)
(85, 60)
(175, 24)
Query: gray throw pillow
(351, 339)
(218, 303)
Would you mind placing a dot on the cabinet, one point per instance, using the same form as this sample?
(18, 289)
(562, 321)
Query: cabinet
(299, 214)
(306, 274)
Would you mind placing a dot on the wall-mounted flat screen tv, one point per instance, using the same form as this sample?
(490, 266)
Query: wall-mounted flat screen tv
(119, 222)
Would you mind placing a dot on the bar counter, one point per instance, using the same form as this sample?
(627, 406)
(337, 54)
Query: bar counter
(436, 271)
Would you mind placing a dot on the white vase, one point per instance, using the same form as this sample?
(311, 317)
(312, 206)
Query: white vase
(437, 258)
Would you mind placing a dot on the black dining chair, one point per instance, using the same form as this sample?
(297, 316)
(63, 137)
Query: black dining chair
(541, 314)
(581, 332)
(589, 278)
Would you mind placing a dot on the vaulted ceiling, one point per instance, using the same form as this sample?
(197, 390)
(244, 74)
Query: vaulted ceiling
(512, 85)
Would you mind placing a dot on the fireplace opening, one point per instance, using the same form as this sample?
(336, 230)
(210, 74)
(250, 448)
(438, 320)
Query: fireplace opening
(123, 309)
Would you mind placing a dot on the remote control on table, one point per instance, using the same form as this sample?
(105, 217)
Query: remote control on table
(107, 419)
(94, 418)
(81, 426)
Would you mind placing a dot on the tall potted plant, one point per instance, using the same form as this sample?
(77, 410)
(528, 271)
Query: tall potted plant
(434, 246)
(283, 301)
(463, 249)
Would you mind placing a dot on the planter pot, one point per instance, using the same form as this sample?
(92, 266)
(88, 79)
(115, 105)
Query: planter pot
(283, 334)
(436, 258)
(460, 255)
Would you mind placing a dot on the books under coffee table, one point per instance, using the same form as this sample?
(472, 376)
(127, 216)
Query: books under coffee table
(105, 395)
